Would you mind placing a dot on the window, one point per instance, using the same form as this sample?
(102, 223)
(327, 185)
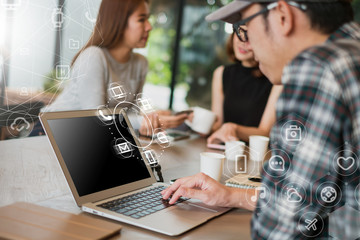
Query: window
(196, 56)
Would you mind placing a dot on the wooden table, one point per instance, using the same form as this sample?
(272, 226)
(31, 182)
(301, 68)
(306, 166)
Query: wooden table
(30, 172)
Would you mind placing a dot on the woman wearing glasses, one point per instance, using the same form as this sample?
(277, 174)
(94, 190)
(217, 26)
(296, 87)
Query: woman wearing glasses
(240, 96)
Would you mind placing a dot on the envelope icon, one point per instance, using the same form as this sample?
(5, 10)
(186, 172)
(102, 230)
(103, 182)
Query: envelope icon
(123, 147)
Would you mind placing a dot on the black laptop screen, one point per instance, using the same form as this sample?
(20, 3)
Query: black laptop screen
(89, 150)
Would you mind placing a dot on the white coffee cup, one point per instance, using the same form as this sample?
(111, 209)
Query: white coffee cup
(212, 164)
(203, 120)
(258, 147)
(233, 149)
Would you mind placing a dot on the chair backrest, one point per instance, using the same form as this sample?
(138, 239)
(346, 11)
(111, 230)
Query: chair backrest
(29, 111)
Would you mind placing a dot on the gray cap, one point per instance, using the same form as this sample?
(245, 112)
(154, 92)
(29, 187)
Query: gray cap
(231, 12)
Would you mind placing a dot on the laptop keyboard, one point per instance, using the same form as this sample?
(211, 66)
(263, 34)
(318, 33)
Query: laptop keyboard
(140, 204)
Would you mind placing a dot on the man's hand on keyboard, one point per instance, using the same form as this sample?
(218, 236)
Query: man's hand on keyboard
(201, 187)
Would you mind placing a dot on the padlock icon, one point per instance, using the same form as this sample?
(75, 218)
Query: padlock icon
(162, 137)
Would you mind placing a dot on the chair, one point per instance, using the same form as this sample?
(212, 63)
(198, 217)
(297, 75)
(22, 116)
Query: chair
(19, 117)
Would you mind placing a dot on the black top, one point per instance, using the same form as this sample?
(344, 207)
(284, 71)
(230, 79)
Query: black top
(245, 96)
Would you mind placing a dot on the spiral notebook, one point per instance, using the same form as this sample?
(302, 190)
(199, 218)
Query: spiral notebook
(242, 181)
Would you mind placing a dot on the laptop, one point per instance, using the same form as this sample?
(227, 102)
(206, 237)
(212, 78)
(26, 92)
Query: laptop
(108, 174)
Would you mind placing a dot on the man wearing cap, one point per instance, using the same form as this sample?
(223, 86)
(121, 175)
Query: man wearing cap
(310, 185)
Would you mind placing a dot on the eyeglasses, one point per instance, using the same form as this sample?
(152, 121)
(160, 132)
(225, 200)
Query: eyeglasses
(242, 33)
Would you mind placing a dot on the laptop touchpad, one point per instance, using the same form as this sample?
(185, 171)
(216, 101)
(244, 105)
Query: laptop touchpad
(193, 211)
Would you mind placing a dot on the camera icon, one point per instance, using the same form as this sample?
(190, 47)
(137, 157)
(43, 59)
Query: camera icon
(293, 133)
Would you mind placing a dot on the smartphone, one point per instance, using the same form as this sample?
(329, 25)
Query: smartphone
(217, 146)
(184, 112)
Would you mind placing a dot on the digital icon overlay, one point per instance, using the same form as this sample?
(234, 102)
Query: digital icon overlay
(277, 163)
(57, 17)
(294, 195)
(24, 92)
(161, 136)
(328, 194)
(105, 115)
(145, 104)
(261, 194)
(311, 224)
(62, 72)
(123, 148)
(293, 133)
(345, 162)
(241, 164)
(117, 92)
(74, 44)
(19, 124)
(150, 156)
(89, 17)
(261, 198)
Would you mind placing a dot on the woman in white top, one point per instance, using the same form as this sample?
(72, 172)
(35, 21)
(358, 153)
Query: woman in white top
(108, 60)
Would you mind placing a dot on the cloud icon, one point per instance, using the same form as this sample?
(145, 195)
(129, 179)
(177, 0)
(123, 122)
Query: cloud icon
(277, 163)
(293, 195)
(19, 123)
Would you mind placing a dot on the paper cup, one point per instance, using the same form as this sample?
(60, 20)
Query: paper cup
(233, 149)
(212, 164)
(203, 120)
(258, 147)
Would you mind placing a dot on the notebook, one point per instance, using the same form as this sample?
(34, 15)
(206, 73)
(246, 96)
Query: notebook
(242, 181)
(104, 166)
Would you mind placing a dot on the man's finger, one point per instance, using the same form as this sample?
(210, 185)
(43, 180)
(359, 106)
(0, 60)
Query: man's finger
(171, 189)
(188, 193)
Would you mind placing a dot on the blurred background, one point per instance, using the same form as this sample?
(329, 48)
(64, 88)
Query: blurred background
(183, 49)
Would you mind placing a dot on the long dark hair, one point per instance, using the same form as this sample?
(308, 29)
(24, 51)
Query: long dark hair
(111, 23)
(231, 55)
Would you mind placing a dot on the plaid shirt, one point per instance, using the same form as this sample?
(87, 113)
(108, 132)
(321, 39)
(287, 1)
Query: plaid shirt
(311, 181)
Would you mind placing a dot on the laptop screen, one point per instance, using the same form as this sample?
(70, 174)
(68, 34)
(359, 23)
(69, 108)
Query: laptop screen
(94, 156)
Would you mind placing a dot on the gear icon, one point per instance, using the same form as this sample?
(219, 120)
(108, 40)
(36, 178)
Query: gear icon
(328, 194)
